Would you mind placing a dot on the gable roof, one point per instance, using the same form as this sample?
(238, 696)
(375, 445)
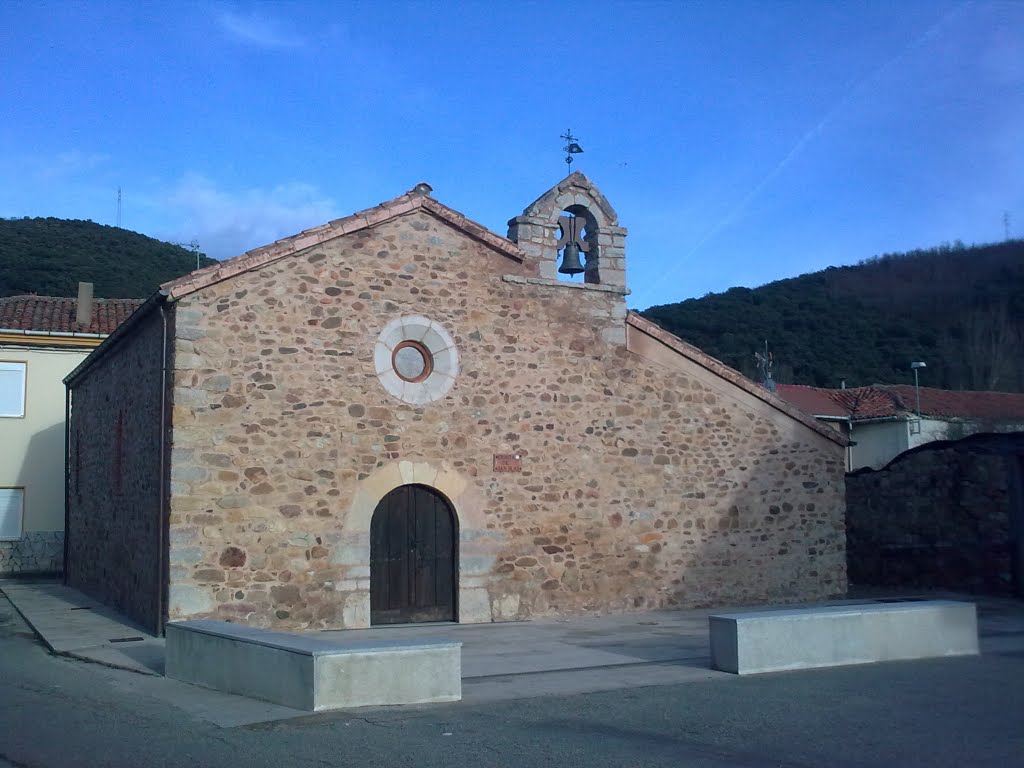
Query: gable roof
(55, 314)
(732, 376)
(416, 199)
(882, 401)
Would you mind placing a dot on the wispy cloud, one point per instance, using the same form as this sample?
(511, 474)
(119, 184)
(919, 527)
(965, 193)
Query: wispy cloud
(227, 223)
(259, 29)
(65, 164)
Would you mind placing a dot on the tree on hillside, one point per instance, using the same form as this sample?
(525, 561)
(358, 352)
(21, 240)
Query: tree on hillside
(959, 308)
(50, 256)
(993, 345)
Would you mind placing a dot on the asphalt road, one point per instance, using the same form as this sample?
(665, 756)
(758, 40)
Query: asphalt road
(965, 711)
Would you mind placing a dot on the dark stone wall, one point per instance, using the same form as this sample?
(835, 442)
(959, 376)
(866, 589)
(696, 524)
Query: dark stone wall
(946, 515)
(115, 513)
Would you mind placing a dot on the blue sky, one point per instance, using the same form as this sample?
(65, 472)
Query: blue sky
(740, 142)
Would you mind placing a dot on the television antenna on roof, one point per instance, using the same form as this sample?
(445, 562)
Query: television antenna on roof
(765, 361)
(192, 246)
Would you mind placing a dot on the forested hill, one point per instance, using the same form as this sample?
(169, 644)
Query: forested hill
(50, 257)
(958, 309)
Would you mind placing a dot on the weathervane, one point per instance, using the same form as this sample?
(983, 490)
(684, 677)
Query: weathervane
(571, 147)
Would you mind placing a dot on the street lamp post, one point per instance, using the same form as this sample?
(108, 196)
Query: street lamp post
(917, 389)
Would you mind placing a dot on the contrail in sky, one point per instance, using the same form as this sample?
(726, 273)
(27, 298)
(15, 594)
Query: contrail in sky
(810, 135)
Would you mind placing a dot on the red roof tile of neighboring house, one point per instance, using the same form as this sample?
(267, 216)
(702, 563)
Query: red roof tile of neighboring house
(57, 315)
(812, 400)
(869, 402)
(894, 400)
(968, 405)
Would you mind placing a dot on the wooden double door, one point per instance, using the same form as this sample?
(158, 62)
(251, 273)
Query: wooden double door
(413, 557)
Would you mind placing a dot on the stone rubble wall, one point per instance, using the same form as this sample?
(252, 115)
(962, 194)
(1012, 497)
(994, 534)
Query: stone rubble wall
(114, 551)
(936, 517)
(35, 553)
(642, 486)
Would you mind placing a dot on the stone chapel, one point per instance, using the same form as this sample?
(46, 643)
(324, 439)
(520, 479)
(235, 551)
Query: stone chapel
(401, 416)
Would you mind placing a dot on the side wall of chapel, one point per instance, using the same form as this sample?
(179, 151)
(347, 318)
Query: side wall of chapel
(116, 522)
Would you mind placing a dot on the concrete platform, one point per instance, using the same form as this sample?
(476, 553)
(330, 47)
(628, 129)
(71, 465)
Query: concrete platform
(309, 672)
(826, 636)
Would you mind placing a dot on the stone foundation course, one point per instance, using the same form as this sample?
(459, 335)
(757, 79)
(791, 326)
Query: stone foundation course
(39, 552)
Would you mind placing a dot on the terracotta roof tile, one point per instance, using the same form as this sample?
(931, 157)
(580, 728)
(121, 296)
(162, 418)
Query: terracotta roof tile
(965, 404)
(894, 400)
(812, 400)
(57, 314)
(868, 402)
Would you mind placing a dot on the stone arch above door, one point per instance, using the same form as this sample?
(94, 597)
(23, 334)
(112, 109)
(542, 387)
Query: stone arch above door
(477, 545)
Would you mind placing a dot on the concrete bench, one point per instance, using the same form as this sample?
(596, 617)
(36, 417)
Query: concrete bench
(801, 638)
(308, 672)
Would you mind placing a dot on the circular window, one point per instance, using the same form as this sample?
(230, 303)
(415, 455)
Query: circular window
(412, 361)
(415, 359)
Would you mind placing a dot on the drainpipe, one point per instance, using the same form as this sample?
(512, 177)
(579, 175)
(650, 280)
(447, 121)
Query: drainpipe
(67, 476)
(849, 448)
(161, 572)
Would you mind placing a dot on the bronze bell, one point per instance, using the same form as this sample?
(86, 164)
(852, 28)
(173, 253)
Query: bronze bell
(571, 260)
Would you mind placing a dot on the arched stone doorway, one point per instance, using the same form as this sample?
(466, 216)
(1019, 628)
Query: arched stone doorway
(413, 557)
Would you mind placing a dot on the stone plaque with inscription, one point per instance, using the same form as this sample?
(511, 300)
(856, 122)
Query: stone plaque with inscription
(508, 462)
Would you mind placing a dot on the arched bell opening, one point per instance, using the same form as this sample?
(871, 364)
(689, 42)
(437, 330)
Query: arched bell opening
(577, 245)
(413, 557)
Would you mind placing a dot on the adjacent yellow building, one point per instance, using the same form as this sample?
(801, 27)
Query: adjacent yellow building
(40, 343)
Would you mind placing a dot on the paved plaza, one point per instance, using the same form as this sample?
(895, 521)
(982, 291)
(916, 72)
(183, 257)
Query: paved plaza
(632, 689)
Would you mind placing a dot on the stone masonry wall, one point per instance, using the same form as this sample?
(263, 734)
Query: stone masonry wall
(642, 486)
(36, 552)
(937, 517)
(115, 512)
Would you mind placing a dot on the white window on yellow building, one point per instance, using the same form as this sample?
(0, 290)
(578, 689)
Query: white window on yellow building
(12, 389)
(12, 506)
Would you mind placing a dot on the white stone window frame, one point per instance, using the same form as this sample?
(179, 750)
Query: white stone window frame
(444, 359)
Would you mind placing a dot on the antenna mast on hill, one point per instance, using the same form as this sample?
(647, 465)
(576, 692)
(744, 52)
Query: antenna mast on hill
(118, 207)
(1006, 224)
